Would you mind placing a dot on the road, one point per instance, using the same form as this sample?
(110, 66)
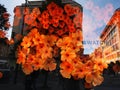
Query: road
(110, 83)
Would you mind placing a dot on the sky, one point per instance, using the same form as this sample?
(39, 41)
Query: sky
(96, 14)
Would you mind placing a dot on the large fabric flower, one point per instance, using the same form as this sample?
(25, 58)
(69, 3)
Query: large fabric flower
(94, 77)
(49, 65)
(67, 55)
(66, 69)
(27, 68)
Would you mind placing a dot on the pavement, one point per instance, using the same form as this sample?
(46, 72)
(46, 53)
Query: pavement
(111, 82)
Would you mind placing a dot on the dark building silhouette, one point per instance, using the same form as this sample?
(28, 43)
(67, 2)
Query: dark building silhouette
(51, 80)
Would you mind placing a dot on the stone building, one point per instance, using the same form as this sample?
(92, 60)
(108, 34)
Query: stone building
(110, 38)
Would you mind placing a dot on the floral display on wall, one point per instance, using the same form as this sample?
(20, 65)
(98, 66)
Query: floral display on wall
(52, 33)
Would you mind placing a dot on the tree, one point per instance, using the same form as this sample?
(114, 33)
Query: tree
(4, 18)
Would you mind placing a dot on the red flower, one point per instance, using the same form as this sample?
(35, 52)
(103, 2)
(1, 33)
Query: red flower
(52, 8)
(45, 14)
(27, 68)
(69, 9)
(76, 10)
(71, 28)
(46, 26)
(61, 24)
(6, 15)
(29, 19)
(2, 34)
(66, 69)
(77, 20)
(50, 65)
(26, 11)
(1, 75)
(51, 29)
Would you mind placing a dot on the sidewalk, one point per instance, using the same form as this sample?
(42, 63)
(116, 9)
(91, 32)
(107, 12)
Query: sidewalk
(110, 83)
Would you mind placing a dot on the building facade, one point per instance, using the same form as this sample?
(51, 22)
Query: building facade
(20, 28)
(18, 23)
(110, 38)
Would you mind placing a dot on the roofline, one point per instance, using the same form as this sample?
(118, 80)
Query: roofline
(108, 24)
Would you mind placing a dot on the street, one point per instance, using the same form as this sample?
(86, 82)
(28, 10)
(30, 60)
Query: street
(110, 83)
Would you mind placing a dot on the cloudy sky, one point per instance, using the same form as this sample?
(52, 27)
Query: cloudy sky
(96, 14)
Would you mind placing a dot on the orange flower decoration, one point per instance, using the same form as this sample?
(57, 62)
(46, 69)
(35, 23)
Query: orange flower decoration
(61, 24)
(77, 20)
(49, 64)
(38, 64)
(57, 34)
(64, 43)
(51, 30)
(89, 65)
(45, 14)
(47, 53)
(33, 33)
(2, 34)
(51, 39)
(29, 19)
(36, 39)
(60, 32)
(71, 28)
(52, 7)
(79, 71)
(21, 57)
(27, 68)
(46, 26)
(26, 11)
(40, 48)
(35, 12)
(30, 59)
(76, 61)
(26, 42)
(77, 37)
(94, 77)
(100, 65)
(76, 10)
(74, 47)
(68, 9)
(67, 20)
(68, 55)
(66, 69)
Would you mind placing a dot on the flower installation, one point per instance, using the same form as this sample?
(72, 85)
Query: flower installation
(55, 32)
